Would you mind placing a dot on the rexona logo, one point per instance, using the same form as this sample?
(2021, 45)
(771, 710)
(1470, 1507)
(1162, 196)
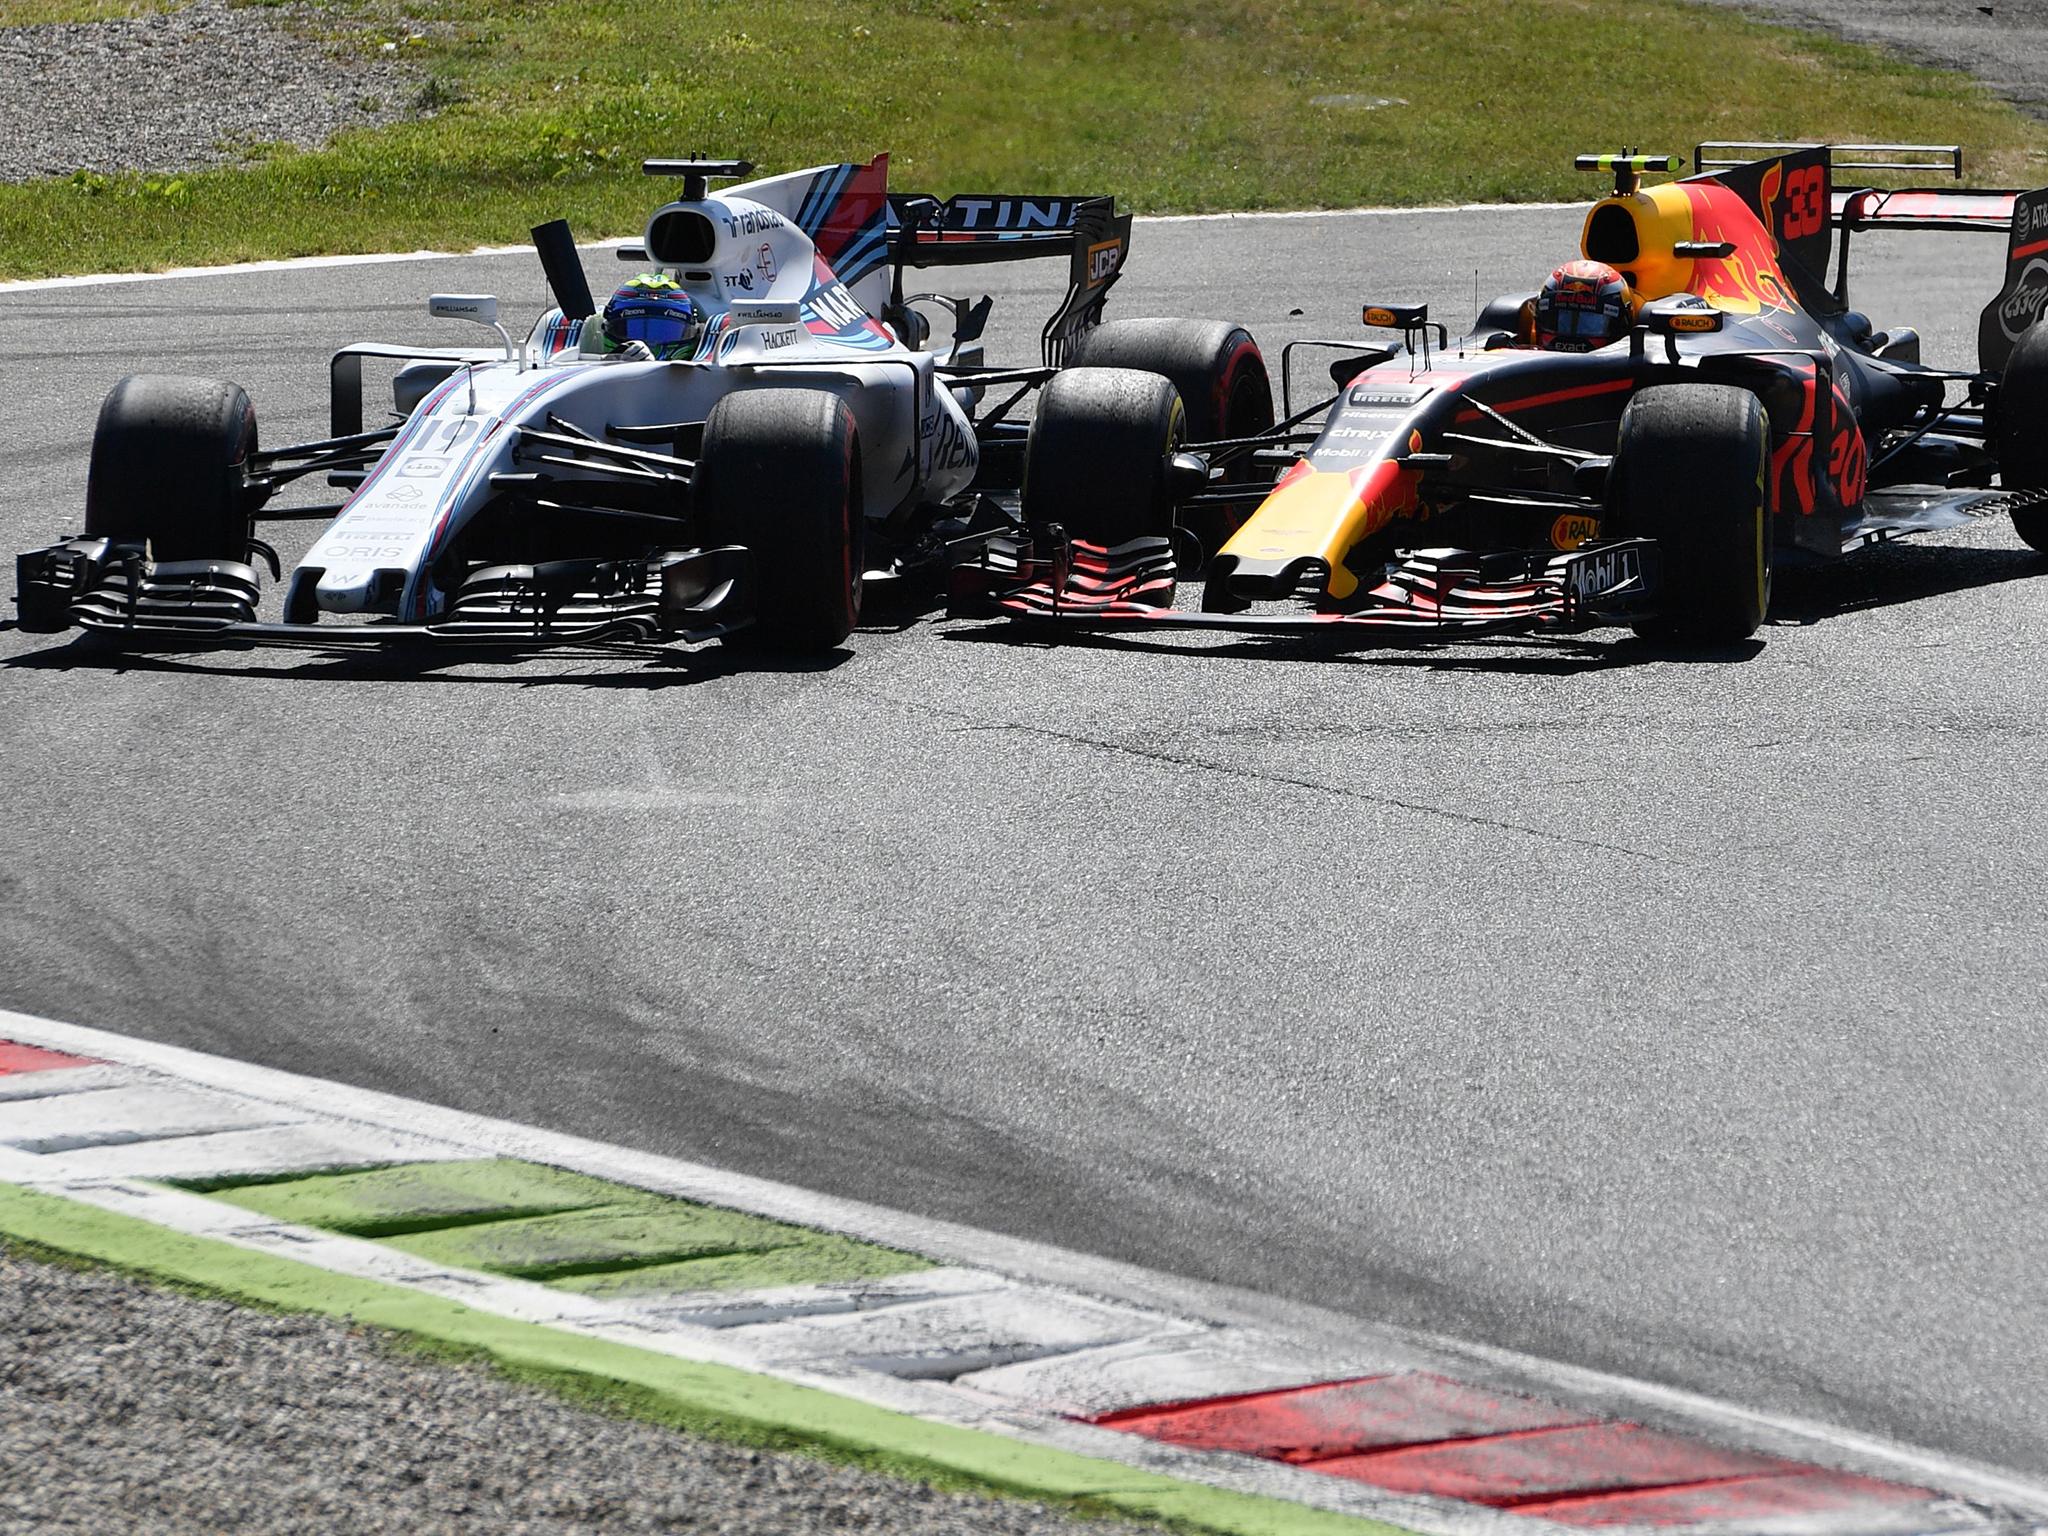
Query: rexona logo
(1573, 529)
(1103, 260)
(2024, 300)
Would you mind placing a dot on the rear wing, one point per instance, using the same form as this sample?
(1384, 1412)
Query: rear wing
(969, 230)
(2020, 216)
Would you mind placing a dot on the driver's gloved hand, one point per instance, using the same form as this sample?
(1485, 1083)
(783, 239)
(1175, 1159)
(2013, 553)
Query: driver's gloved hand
(635, 352)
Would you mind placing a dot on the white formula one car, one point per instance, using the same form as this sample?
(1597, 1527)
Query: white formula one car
(736, 479)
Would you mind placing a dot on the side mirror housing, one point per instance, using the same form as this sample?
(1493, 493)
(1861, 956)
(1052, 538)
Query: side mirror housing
(480, 307)
(1682, 314)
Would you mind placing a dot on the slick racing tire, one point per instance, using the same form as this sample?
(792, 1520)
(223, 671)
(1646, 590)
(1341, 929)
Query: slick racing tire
(1096, 460)
(1690, 467)
(1221, 376)
(780, 473)
(2022, 429)
(170, 459)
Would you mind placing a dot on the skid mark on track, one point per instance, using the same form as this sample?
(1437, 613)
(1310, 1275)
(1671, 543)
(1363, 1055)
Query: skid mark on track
(1290, 781)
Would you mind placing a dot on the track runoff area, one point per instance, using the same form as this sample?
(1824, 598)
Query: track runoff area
(1023, 1366)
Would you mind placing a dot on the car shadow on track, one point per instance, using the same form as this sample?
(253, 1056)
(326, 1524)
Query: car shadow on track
(1801, 595)
(1563, 656)
(646, 667)
(1894, 574)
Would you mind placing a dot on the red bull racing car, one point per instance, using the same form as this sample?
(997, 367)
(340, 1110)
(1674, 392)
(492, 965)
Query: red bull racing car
(1638, 443)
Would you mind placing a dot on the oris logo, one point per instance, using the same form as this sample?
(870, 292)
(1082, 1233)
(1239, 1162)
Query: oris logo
(2016, 311)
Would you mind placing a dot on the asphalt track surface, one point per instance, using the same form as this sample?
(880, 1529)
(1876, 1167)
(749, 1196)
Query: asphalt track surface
(1677, 1017)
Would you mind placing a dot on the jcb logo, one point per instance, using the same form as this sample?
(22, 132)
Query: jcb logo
(1103, 260)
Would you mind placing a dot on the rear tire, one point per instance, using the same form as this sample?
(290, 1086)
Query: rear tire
(1096, 459)
(1690, 468)
(2022, 436)
(170, 460)
(1221, 376)
(780, 473)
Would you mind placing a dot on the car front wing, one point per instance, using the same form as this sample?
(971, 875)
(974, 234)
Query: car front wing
(116, 588)
(1427, 595)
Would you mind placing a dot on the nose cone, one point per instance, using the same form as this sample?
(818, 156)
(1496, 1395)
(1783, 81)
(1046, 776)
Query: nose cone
(1303, 531)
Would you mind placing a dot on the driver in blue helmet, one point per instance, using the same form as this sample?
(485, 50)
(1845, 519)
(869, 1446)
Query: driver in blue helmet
(651, 315)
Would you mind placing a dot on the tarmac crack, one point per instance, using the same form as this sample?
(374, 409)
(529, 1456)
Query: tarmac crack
(1313, 786)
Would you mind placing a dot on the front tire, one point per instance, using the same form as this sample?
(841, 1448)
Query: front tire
(1690, 469)
(1221, 376)
(780, 473)
(170, 460)
(1096, 460)
(2022, 432)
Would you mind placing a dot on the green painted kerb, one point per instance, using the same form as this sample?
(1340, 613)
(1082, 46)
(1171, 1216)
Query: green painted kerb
(745, 1405)
(565, 1229)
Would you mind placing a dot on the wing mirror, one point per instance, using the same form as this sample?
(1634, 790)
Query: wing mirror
(479, 308)
(1682, 315)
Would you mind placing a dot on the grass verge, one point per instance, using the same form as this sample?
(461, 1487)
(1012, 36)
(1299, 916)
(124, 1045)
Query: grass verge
(545, 107)
(712, 1400)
